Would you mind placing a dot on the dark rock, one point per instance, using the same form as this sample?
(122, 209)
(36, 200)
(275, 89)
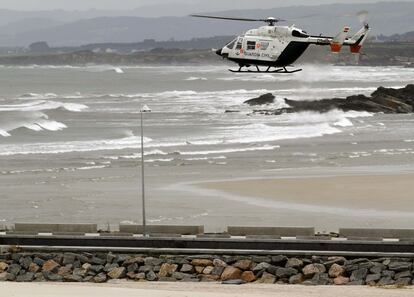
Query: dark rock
(321, 279)
(181, 276)
(372, 278)
(382, 100)
(377, 268)
(97, 268)
(51, 276)
(26, 277)
(233, 282)
(285, 272)
(261, 266)
(134, 260)
(261, 100)
(405, 281)
(403, 274)
(388, 273)
(187, 268)
(356, 283)
(261, 259)
(69, 258)
(111, 258)
(359, 274)
(133, 267)
(73, 278)
(109, 267)
(217, 270)
(145, 268)
(97, 261)
(151, 276)
(14, 269)
(279, 260)
(386, 281)
(219, 263)
(400, 266)
(25, 262)
(150, 261)
(39, 261)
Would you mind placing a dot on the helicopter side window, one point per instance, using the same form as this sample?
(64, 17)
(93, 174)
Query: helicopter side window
(264, 46)
(251, 45)
(239, 44)
(296, 33)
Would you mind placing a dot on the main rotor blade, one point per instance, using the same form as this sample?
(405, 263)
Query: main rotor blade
(226, 18)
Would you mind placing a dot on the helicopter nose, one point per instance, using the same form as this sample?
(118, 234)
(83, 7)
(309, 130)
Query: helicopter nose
(219, 51)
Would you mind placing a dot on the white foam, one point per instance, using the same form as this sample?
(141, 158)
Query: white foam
(4, 133)
(344, 123)
(42, 105)
(194, 78)
(119, 70)
(229, 150)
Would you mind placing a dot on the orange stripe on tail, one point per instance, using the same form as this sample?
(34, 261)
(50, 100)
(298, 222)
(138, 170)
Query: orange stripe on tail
(336, 47)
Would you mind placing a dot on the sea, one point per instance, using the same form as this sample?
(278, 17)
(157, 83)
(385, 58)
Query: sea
(70, 139)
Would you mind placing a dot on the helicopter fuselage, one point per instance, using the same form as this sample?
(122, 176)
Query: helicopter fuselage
(281, 46)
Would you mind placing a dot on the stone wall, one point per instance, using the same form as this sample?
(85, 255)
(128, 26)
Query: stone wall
(101, 267)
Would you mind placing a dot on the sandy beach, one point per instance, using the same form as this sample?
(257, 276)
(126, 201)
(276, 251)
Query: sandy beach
(188, 289)
(392, 192)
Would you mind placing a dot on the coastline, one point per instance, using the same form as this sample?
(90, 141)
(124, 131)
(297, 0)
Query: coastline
(388, 193)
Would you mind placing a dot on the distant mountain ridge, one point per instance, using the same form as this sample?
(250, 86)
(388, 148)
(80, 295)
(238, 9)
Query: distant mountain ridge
(60, 28)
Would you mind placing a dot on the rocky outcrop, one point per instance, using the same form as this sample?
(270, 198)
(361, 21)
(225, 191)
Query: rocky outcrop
(261, 100)
(102, 267)
(385, 100)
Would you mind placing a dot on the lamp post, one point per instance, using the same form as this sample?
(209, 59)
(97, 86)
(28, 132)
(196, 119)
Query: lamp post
(144, 220)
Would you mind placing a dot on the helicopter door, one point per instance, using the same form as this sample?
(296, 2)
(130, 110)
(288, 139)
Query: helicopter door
(252, 49)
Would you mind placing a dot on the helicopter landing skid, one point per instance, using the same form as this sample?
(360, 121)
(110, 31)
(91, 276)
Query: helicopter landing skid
(278, 70)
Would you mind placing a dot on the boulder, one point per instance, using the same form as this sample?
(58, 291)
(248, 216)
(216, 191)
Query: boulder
(133, 260)
(267, 278)
(73, 278)
(311, 269)
(5, 276)
(359, 274)
(167, 270)
(219, 263)
(406, 281)
(403, 274)
(187, 268)
(243, 264)
(217, 270)
(117, 273)
(33, 268)
(400, 266)
(341, 280)
(377, 268)
(208, 278)
(371, 279)
(386, 281)
(285, 272)
(51, 266)
(261, 100)
(202, 262)
(231, 273)
(69, 258)
(208, 270)
(3, 266)
(294, 263)
(150, 261)
(261, 266)
(296, 279)
(14, 269)
(336, 270)
(151, 276)
(248, 276)
(25, 277)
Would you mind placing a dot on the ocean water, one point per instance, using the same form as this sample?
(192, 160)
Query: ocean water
(63, 129)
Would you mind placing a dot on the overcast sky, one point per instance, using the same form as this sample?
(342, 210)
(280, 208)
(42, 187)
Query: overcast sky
(163, 5)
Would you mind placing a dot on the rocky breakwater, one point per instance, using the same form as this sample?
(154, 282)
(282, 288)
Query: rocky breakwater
(102, 267)
(385, 100)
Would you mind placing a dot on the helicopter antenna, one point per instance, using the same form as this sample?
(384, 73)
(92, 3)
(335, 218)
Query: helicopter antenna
(270, 20)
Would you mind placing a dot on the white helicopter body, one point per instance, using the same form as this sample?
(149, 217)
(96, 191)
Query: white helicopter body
(280, 46)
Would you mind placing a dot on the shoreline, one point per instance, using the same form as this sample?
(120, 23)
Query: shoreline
(364, 193)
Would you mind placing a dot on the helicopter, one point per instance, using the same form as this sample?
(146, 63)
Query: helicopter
(278, 47)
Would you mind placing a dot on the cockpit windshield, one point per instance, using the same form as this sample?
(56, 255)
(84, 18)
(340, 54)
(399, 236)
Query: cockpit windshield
(231, 44)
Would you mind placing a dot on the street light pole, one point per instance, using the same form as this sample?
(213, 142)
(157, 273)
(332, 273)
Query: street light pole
(144, 220)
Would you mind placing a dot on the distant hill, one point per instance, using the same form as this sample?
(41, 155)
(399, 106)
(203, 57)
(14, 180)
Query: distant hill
(20, 29)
